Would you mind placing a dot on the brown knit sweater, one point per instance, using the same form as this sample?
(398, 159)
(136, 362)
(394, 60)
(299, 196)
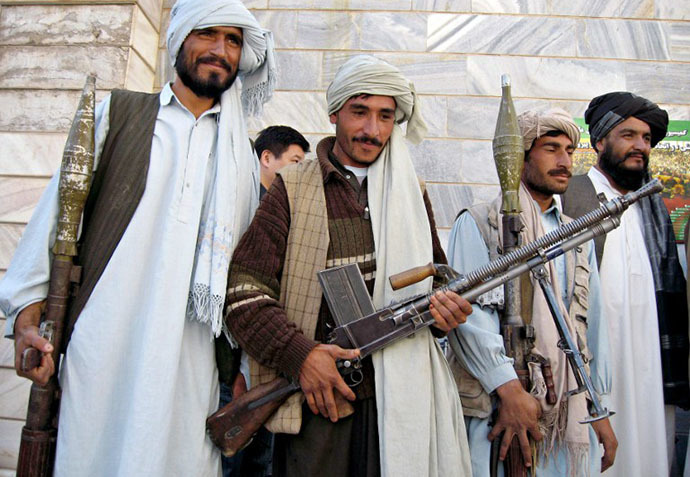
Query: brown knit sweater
(261, 326)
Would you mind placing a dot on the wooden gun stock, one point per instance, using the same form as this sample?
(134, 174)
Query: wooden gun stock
(413, 275)
(232, 427)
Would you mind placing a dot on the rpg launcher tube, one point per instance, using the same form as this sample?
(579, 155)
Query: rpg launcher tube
(508, 148)
(75, 172)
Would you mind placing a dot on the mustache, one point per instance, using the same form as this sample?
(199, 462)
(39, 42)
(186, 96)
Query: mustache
(561, 171)
(368, 140)
(644, 156)
(215, 61)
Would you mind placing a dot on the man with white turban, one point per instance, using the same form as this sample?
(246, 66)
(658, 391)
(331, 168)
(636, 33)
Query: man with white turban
(566, 447)
(175, 186)
(359, 202)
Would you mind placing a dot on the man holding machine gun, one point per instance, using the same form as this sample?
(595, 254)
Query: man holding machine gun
(359, 202)
(176, 184)
(547, 413)
(643, 289)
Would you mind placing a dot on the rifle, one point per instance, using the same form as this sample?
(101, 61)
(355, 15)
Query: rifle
(361, 326)
(39, 435)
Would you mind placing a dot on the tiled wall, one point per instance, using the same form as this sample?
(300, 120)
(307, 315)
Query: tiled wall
(558, 53)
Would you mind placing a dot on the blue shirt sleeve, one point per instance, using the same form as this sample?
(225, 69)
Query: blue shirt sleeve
(477, 343)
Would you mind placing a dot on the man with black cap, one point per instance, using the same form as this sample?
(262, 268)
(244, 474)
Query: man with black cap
(642, 284)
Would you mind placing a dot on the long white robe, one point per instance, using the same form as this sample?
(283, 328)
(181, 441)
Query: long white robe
(139, 379)
(627, 289)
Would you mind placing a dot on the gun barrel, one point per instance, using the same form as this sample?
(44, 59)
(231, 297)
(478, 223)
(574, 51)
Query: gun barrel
(610, 208)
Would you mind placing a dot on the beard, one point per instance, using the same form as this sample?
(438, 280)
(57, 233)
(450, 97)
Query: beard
(628, 179)
(211, 88)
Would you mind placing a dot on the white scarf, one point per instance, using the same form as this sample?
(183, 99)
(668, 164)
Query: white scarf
(420, 421)
(560, 421)
(233, 193)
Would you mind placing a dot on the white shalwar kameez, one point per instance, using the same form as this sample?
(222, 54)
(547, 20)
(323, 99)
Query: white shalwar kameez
(138, 379)
(627, 290)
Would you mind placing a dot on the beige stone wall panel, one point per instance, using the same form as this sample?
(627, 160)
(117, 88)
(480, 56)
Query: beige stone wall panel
(14, 393)
(605, 8)
(501, 35)
(65, 24)
(392, 31)
(659, 82)
(343, 4)
(325, 30)
(9, 238)
(30, 154)
(299, 70)
(306, 112)
(48, 67)
(449, 199)
(431, 73)
(152, 9)
(447, 6)
(18, 197)
(6, 348)
(139, 76)
(529, 7)
(144, 38)
(10, 430)
(40, 110)
(545, 77)
(671, 9)
(435, 113)
(623, 39)
(679, 41)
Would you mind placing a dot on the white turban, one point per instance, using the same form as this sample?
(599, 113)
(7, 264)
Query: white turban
(366, 74)
(257, 67)
(534, 125)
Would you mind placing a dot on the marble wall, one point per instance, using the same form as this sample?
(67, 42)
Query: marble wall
(558, 53)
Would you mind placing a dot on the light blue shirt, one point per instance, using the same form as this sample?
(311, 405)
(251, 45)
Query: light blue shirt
(480, 340)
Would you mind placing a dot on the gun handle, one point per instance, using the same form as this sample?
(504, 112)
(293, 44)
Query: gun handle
(231, 428)
(413, 275)
(31, 359)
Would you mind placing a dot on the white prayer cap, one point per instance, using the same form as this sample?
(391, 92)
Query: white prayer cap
(257, 67)
(366, 74)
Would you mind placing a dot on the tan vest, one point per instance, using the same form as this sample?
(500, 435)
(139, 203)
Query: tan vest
(475, 400)
(300, 293)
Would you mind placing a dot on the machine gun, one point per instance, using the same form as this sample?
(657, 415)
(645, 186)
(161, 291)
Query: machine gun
(359, 325)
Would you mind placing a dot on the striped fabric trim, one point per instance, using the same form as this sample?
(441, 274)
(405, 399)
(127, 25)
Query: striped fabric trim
(336, 262)
(247, 301)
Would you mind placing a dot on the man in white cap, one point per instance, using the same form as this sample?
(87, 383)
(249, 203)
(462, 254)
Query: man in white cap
(552, 417)
(359, 202)
(175, 186)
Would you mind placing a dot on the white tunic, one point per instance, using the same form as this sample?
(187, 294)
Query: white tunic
(627, 289)
(138, 378)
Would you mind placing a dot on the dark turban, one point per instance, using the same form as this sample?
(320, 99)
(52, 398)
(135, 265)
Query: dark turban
(605, 112)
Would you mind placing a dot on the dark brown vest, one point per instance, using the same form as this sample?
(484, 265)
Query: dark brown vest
(580, 198)
(117, 187)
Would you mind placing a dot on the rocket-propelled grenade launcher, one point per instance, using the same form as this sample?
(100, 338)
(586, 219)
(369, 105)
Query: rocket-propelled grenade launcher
(37, 448)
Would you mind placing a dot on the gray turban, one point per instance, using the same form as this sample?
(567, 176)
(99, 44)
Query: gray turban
(534, 125)
(366, 74)
(257, 64)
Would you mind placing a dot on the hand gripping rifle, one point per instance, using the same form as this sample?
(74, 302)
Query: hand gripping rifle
(359, 325)
(37, 448)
